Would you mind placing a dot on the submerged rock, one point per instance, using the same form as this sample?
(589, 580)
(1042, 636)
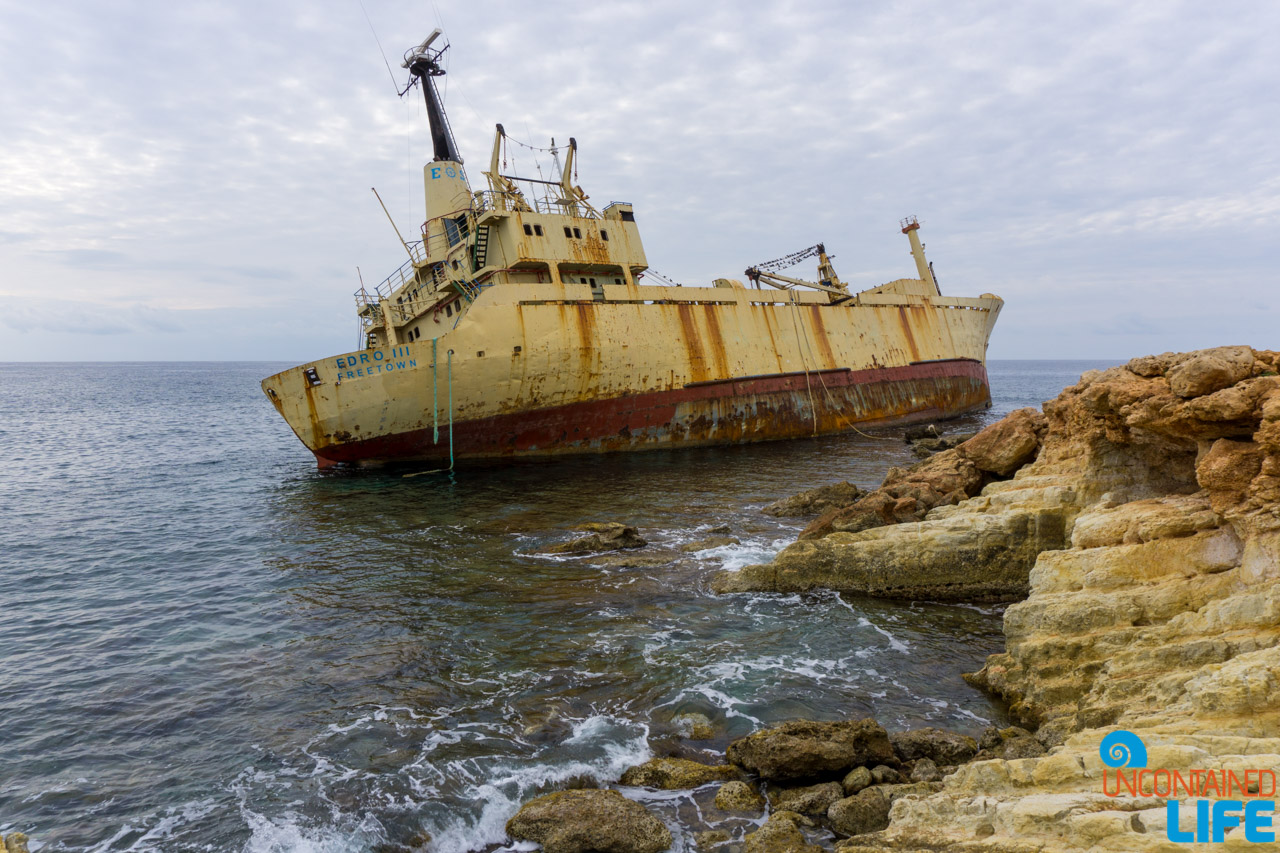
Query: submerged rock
(675, 773)
(693, 726)
(635, 560)
(815, 501)
(711, 840)
(709, 543)
(601, 536)
(589, 822)
(803, 749)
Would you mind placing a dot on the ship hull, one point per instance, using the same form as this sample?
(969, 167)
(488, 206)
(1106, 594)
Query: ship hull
(550, 370)
(729, 411)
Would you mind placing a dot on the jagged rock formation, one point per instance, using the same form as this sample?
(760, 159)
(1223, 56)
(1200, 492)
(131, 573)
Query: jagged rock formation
(1160, 614)
(815, 501)
(601, 536)
(900, 542)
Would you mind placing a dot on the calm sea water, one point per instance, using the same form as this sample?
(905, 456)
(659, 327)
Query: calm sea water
(209, 645)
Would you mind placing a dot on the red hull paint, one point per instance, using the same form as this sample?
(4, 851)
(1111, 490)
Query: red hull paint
(724, 411)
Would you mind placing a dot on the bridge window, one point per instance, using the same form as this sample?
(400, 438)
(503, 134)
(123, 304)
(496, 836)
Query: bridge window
(567, 231)
(577, 232)
(537, 229)
(455, 229)
(528, 229)
(604, 235)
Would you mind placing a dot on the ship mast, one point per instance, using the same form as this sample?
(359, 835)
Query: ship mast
(423, 63)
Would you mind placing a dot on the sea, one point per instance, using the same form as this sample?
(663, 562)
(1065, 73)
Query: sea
(208, 644)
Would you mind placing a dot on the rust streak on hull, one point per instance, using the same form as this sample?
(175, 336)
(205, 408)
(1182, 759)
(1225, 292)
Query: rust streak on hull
(717, 412)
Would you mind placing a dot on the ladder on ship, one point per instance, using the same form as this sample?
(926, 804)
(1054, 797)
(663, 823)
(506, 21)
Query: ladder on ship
(480, 249)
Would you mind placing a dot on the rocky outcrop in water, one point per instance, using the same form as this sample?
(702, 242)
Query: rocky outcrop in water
(601, 536)
(674, 773)
(589, 821)
(14, 842)
(815, 501)
(899, 541)
(803, 749)
(1159, 613)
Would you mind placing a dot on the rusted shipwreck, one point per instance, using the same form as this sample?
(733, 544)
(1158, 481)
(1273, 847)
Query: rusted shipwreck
(520, 327)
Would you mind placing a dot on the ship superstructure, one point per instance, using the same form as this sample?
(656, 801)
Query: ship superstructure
(518, 326)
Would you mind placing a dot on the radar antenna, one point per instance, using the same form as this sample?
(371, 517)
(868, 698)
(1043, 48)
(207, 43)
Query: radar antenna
(423, 63)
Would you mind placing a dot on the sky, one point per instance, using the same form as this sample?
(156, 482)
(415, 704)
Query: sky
(191, 181)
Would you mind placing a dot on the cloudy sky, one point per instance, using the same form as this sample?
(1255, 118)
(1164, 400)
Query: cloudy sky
(191, 180)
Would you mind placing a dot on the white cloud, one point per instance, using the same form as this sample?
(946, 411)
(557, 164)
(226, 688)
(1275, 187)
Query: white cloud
(217, 158)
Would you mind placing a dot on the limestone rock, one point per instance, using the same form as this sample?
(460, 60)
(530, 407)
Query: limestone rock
(924, 770)
(857, 779)
(884, 775)
(694, 726)
(671, 774)
(815, 501)
(1161, 615)
(926, 447)
(1008, 444)
(711, 840)
(15, 842)
(939, 745)
(738, 796)
(601, 536)
(709, 543)
(943, 479)
(589, 822)
(866, 811)
(779, 834)
(634, 560)
(803, 749)
(1210, 370)
(814, 799)
(1009, 743)
(966, 557)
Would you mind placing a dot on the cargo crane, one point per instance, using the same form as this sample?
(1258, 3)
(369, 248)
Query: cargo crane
(827, 279)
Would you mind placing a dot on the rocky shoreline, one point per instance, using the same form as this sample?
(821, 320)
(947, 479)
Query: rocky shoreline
(1136, 523)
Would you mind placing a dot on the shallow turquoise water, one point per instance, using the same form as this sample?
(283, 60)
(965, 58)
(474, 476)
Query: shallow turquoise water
(209, 645)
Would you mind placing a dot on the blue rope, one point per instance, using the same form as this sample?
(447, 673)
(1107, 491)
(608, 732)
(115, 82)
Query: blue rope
(450, 410)
(435, 412)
